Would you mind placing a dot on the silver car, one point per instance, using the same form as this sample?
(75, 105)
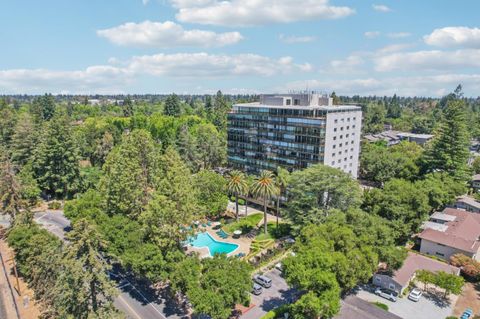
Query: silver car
(263, 281)
(256, 289)
(415, 294)
(387, 294)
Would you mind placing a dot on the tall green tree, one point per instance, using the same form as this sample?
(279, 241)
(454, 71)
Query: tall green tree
(43, 107)
(24, 139)
(236, 185)
(315, 191)
(264, 187)
(220, 110)
(86, 247)
(127, 107)
(130, 174)
(10, 191)
(56, 159)
(172, 105)
(281, 181)
(448, 151)
(211, 196)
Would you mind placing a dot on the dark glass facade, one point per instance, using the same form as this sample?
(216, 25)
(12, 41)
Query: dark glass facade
(264, 138)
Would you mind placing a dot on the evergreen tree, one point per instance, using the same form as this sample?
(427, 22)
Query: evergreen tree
(10, 193)
(86, 246)
(130, 174)
(448, 151)
(172, 106)
(24, 139)
(220, 110)
(56, 160)
(43, 107)
(127, 107)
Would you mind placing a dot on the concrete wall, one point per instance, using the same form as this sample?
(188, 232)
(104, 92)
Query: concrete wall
(387, 282)
(342, 140)
(444, 252)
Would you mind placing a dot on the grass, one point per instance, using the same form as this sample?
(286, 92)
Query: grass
(245, 224)
(381, 305)
(272, 232)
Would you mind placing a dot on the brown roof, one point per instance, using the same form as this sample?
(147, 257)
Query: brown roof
(356, 308)
(462, 233)
(416, 262)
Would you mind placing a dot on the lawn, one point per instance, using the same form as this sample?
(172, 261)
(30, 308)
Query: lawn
(272, 232)
(245, 224)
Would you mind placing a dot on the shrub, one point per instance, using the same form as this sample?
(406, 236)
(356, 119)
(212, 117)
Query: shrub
(381, 305)
(470, 267)
(54, 205)
(451, 317)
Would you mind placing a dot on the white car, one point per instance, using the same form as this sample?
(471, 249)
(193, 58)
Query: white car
(387, 294)
(415, 294)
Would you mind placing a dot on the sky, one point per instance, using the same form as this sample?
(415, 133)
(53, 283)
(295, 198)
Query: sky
(403, 47)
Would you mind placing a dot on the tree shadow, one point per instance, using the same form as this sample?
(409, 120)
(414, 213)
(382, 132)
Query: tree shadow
(437, 298)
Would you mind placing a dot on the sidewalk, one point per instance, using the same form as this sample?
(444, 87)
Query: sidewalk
(26, 304)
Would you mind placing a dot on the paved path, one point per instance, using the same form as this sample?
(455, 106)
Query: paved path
(251, 210)
(134, 301)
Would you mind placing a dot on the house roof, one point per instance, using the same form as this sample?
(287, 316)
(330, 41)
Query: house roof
(469, 201)
(476, 178)
(356, 308)
(416, 262)
(462, 233)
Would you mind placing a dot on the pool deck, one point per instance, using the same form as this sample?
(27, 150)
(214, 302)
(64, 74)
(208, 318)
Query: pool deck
(242, 242)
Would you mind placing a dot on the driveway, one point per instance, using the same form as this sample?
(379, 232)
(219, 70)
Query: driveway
(270, 298)
(430, 306)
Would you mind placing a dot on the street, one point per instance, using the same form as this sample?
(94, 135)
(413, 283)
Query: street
(135, 301)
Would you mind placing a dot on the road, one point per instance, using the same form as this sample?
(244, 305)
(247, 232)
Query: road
(135, 301)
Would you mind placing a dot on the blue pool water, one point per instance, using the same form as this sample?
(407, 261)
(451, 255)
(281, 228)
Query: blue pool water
(215, 247)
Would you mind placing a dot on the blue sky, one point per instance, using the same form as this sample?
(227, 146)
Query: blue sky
(364, 47)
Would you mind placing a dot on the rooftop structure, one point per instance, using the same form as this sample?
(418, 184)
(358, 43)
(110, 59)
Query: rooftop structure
(450, 232)
(395, 137)
(468, 203)
(294, 131)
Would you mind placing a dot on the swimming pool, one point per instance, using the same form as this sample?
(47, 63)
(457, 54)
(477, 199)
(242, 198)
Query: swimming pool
(215, 247)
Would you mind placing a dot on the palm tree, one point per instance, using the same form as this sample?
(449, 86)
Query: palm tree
(264, 187)
(237, 185)
(281, 181)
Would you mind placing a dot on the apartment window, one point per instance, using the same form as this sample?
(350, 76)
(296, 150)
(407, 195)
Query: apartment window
(334, 146)
(341, 129)
(345, 159)
(334, 138)
(339, 161)
(340, 145)
(348, 119)
(333, 154)
(336, 121)
(351, 148)
(351, 157)
(344, 166)
(333, 163)
(289, 102)
(335, 129)
(353, 126)
(341, 136)
(350, 164)
(354, 118)
(348, 127)
(347, 135)
(346, 143)
(340, 153)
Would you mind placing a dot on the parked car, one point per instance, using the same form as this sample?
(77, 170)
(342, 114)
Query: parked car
(387, 294)
(415, 294)
(263, 281)
(467, 314)
(256, 289)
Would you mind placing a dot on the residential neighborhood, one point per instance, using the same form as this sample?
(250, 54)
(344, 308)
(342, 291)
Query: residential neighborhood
(240, 159)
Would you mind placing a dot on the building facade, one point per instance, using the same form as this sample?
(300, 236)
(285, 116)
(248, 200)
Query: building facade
(294, 131)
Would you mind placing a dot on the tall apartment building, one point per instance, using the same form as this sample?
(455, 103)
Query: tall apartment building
(294, 131)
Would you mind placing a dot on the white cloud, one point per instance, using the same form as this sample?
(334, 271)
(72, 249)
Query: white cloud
(430, 85)
(381, 8)
(165, 34)
(397, 35)
(118, 76)
(94, 79)
(296, 39)
(234, 13)
(454, 36)
(145, 2)
(349, 65)
(434, 60)
(371, 34)
(214, 66)
(393, 48)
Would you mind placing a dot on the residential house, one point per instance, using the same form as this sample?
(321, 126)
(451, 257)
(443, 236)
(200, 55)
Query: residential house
(402, 277)
(468, 203)
(476, 182)
(451, 232)
(395, 137)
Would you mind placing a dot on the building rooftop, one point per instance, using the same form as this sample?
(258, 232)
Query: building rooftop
(469, 201)
(476, 178)
(443, 216)
(301, 107)
(416, 262)
(462, 233)
(356, 308)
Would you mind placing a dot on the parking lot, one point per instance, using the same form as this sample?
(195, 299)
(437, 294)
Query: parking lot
(430, 306)
(270, 298)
